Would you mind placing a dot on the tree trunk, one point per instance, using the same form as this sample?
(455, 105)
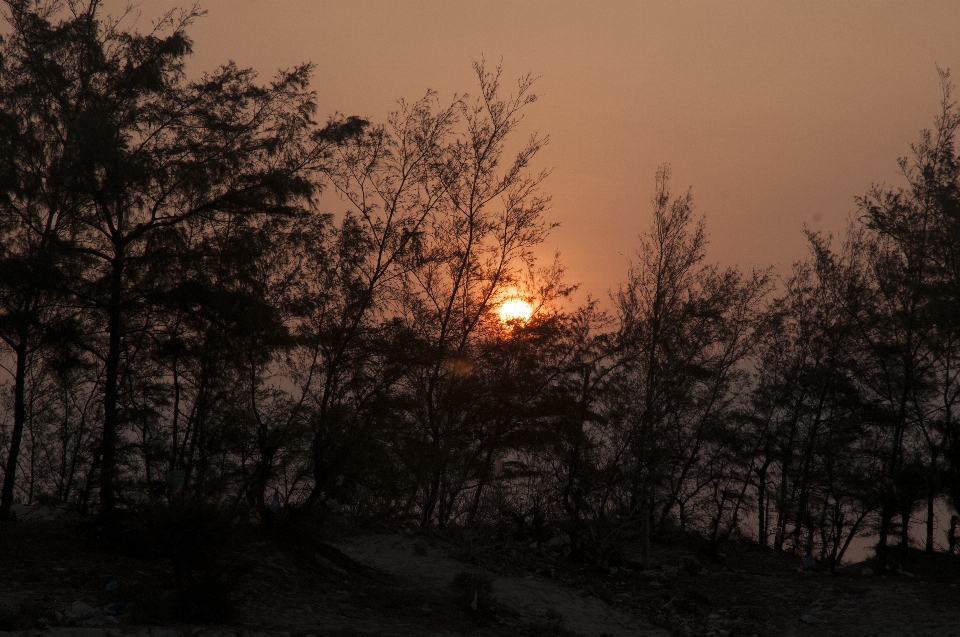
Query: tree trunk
(886, 517)
(762, 503)
(904, 532)
(837, 535)
(647, 518)
(952, 535)
(88, 484)
(19, 418)
(482, 477)
(108, 445)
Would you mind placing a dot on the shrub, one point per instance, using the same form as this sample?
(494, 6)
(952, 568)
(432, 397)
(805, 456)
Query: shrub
(474, 591)
(24, 616)
(201, 545)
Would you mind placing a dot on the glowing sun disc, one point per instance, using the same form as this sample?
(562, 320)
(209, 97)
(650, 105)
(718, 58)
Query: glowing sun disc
(515, 310)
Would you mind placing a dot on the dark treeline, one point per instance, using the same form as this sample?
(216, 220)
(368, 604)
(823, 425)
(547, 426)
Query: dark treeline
(180, 321)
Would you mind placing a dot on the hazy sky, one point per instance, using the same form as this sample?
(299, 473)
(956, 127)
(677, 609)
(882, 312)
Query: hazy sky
(775, 113)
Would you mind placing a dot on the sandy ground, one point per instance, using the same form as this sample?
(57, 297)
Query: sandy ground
(533, 600)
(394, 584)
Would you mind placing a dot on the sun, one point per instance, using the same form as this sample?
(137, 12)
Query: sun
(515, 310)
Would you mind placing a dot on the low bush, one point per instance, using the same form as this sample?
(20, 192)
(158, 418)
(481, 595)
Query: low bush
(25, 616)
(474, 590)
(200, 543)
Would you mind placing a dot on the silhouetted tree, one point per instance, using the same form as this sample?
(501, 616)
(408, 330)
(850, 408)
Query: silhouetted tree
(689, 329)
(38, 197)
(899, 327)
(150, 152)
(388, 176)
(472, 252)
(810, 417)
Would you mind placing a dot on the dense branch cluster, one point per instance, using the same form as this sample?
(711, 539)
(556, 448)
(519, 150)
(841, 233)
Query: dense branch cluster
(179, 321)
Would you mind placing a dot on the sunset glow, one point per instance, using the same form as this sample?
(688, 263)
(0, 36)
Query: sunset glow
(515, 310)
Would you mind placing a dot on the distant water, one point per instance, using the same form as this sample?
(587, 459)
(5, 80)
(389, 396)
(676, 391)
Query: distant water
(862, 548)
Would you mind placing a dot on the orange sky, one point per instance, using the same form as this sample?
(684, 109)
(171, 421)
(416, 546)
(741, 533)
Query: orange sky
(776, 113)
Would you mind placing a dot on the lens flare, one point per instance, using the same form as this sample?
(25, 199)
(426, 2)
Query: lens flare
(515, 310)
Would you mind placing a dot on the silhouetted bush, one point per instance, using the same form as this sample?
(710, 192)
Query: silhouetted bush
(24, 616)
(474, 591)
(201, 545)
